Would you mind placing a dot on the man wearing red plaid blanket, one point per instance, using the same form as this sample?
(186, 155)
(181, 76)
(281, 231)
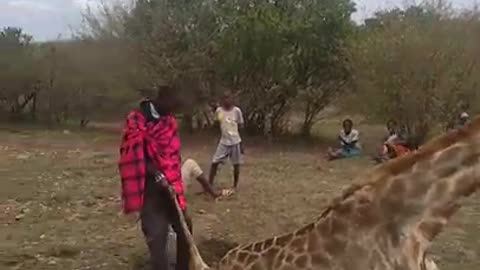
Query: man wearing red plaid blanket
(150, 150)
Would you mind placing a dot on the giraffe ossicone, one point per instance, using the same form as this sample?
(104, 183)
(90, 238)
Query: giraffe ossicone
(385, 220)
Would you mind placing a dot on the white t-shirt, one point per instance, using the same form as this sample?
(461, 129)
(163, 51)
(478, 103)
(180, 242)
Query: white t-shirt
(391, 138)
(229, 121)
(190, 171)
(352, 136)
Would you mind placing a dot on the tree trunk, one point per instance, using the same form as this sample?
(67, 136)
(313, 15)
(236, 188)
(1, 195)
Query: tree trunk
(307, 121)
(307, 129)
(187, 121)
(33, 110)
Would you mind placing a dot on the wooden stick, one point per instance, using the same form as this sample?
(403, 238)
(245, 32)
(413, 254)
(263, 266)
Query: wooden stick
(196, 261)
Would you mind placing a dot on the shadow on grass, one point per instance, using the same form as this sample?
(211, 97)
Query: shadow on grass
(213, 250)
(140, 262)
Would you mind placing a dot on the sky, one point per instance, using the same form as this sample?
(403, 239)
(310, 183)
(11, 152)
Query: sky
(53, 19)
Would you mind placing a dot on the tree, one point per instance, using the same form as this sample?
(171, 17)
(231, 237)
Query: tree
(19, 67)
(320, 58)
(252, 60)
(418, 66)
(274, 51)
(171, 43)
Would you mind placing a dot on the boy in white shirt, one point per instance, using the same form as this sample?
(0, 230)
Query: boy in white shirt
(349, 142)
(230, 146)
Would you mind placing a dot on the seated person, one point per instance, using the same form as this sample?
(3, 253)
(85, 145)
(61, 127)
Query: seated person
(463, 120)
(454, 125)
(191, 171)
(394, 144)
(349, 142)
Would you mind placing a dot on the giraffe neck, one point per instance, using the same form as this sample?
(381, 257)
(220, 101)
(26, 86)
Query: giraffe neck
(400, 207)
(384, 221)
(429, 192)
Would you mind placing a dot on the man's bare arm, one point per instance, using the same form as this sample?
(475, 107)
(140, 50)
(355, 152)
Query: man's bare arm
(207, 187)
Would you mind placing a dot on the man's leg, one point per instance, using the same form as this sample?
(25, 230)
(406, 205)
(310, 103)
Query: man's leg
(183, 249)
(155, 225)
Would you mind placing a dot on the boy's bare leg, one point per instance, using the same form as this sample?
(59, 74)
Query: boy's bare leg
(334, 154)
(236, 175)
(213, 173)
(330, 154)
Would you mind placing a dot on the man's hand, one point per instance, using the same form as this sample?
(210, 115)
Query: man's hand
(161, 181)
(242, 149)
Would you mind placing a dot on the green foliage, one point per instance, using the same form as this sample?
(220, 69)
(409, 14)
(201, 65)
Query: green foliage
(277, 54)
(271, 54)
(83, 78)
(418, 66)
(321, 67)
(18, 65)
(253, 56)
(268, 53)
(59, 81)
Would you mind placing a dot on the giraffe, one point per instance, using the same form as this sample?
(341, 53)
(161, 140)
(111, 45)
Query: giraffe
(385, 220)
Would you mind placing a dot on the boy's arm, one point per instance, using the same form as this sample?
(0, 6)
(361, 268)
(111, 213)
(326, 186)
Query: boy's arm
(342, 140)
(240, 120)
(352, 143)
(355, 139)
(216, 119)
(241, 126)
(385, 138)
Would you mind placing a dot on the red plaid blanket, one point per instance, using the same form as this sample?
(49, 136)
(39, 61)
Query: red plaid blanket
(161, 142)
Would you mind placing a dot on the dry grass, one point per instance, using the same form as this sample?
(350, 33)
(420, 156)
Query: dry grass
(59, 205)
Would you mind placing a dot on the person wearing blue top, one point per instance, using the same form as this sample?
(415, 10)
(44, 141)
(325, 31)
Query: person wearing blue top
(349, 142)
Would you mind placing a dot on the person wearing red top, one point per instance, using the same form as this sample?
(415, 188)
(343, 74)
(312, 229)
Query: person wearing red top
(151, 148)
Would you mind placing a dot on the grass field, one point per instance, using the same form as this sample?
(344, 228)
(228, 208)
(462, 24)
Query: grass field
(59, 204)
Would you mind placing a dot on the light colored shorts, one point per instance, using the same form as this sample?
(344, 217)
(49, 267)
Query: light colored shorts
(231, 152)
